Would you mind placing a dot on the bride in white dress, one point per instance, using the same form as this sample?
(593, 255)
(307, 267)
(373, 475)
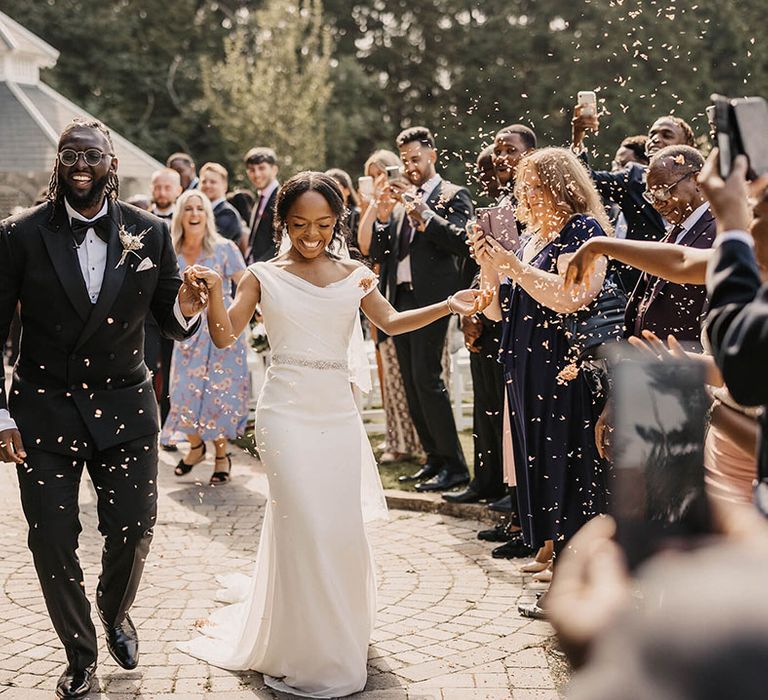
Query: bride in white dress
(306, 616)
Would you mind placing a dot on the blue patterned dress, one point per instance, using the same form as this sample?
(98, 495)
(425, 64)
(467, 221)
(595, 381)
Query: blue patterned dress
(209, 386)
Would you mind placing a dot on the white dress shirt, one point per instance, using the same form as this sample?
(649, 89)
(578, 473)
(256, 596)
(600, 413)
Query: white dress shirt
(404, 274)
(92, 256)
(690, 222)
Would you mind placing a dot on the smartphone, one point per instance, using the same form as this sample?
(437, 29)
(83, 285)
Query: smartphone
(408, 198)
(587, 100)
(394, 172)
(742, 126)
(365, 186)
(499, 223)
(658, 497)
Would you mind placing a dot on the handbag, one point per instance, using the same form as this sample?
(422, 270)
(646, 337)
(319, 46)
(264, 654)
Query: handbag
(599, 323)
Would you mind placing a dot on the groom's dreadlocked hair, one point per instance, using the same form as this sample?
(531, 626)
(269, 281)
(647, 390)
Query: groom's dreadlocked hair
(113, 183)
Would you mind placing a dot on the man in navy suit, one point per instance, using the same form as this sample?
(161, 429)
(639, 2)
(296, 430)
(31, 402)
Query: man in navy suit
(262, 168)
(421, 256)
(737, 321)
(625, 186)
(657, 304)
(214, 179)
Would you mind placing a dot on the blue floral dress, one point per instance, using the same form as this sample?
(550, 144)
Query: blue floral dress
(209, 386)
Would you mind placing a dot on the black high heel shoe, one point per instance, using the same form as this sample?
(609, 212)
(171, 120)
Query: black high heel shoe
(183, 468)
(220, 477)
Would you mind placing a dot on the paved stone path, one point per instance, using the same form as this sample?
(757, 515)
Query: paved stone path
(447, 626)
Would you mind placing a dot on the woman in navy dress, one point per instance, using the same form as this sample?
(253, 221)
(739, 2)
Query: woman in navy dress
(560, 475)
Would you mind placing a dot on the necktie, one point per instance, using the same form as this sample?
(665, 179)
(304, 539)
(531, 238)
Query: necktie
(672, 235)
(80, 228)
(406, 234)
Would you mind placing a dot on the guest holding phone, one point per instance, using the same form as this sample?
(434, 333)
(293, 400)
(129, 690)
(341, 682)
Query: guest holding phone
(561, 479)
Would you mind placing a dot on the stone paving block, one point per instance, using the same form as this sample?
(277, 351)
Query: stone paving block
(528, 694)
(475, 694)
(530, 678)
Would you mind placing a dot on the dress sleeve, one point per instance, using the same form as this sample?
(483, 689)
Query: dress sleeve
(577, 232)
(233, 260)
(367, 281)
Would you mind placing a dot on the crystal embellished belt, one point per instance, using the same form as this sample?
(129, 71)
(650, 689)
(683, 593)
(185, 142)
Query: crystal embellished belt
(305, 362)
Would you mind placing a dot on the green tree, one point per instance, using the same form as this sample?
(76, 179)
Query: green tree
(272, 86)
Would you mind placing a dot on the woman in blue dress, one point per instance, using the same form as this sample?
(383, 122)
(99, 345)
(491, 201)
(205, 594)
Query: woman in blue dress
(209, 386)
(561, 478)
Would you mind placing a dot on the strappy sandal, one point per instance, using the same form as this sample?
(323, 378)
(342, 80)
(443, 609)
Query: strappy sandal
(221, 477)
(183, 468)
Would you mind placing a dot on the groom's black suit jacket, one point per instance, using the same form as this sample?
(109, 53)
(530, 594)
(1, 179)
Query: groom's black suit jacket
(80, 381)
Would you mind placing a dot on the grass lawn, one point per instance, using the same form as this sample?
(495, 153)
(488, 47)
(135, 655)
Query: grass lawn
(388, 472)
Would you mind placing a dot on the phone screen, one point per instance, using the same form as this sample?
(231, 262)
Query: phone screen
(658, 497)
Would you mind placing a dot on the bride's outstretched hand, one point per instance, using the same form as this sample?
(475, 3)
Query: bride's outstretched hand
(471, 301)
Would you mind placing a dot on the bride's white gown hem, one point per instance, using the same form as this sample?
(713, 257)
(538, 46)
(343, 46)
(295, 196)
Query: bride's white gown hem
(305, 618)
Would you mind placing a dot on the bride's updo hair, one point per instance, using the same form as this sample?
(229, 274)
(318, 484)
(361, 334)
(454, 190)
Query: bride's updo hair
(325, 185)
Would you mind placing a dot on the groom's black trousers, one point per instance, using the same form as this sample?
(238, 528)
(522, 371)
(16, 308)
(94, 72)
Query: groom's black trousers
(125, 479)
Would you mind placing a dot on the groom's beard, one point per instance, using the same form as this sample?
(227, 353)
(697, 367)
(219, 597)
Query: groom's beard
(89, 199)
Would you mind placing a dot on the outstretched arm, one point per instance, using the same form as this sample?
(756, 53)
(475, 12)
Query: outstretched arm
(225, 326)
(381, 313)
(676, 263)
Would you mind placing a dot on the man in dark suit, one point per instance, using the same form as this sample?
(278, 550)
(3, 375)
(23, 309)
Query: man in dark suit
(421, 255)
(482, 338)
(261, 166)
(183, 164)
(656, 304)
(214, 179)
(87, 269)
(625, 187)
(737, 321)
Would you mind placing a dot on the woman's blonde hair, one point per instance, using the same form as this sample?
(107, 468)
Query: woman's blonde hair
(382, 159)
(210, 238)
(568, 185)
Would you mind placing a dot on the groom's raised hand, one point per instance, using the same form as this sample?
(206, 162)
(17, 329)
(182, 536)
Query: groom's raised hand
(11, 447)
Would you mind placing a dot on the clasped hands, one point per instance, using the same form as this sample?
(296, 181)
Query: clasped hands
(199, 283)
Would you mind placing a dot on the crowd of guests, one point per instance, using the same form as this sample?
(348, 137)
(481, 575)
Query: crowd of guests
(560, 239)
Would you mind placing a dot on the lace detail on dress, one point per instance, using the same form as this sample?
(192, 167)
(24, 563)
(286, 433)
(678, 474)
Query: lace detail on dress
(305, 362)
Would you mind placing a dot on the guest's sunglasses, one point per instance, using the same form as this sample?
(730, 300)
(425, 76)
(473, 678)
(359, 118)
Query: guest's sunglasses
(92, 156)
(664, 194)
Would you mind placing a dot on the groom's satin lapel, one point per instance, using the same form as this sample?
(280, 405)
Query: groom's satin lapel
(114, 277)
(58, 241)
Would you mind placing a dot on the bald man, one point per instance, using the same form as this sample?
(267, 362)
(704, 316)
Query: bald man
(166, 188)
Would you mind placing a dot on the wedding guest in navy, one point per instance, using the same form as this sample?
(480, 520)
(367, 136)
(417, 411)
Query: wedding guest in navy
(88, 269)
(560, 475)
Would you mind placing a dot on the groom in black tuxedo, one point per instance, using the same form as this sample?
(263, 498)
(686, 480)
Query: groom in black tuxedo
(88, 270)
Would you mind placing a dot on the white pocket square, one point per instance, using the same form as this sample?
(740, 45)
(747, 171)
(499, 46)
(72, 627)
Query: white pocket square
(145, 264)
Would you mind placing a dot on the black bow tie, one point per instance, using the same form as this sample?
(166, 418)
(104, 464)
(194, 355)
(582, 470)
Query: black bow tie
(80, 228)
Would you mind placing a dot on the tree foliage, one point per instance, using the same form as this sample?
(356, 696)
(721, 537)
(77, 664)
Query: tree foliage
(458, 66)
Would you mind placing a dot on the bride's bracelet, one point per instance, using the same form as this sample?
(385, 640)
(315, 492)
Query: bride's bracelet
(448, 303)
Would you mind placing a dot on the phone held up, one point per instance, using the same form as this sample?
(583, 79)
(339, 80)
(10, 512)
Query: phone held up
(658, 497)
(741, 125)
(587, 101)
(365, 186)
(394, 172)
(500, 224)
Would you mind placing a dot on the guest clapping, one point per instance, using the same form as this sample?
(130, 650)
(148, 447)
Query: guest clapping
(209, 386)
(560, 475)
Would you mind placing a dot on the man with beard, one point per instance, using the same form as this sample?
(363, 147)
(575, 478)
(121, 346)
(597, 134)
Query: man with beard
(87, 269)
(166, 188)
(421, 255)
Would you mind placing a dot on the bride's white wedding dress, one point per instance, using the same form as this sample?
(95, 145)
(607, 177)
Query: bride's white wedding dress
(305, 618)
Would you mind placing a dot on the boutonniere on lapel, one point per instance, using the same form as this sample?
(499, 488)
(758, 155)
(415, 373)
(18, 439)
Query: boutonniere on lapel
(131, 242)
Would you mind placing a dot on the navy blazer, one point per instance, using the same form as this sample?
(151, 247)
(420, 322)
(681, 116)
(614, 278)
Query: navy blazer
(261, 240)
(437, 254)
(228, 221)
(665, 307)
(80, 380)
(737, 329)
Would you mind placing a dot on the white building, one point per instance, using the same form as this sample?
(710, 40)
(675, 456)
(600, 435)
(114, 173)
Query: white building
(31, 117)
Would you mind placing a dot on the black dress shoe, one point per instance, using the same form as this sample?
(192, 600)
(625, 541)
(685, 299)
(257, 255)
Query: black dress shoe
(514, 549)
(75, 683)
(426, 472)
(468, 495)
(502, 532)
(503, 505)
(443, 481)
(169, 448)
(123, 642)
